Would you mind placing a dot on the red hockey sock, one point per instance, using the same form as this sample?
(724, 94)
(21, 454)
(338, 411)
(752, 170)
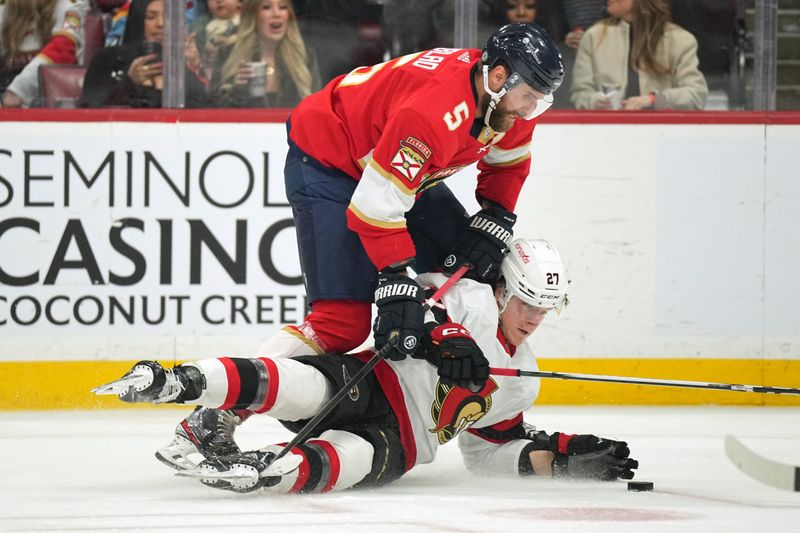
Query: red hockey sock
(340, 325)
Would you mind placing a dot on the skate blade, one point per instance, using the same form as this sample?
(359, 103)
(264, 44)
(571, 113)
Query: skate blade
(224, 476)
(123, 384)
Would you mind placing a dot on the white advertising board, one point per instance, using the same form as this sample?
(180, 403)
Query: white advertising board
(120, 240)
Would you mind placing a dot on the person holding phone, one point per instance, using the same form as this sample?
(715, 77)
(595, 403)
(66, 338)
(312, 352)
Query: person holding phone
(132, 74)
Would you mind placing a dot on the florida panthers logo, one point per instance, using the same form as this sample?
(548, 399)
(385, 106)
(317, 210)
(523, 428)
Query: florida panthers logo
(455, 408)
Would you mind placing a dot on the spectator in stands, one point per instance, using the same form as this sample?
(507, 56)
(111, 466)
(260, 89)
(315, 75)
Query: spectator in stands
(109, 6)
(520, 10)
(566, 20)
(116, 29)
(34, 33)
(269, 65)
(132, 74)
(638, 59)
(346, 34)
(574, 17)
(216, 28)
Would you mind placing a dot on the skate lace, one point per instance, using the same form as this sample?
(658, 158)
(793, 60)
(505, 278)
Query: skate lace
(172, 387)
(221, 441)
(227, 424)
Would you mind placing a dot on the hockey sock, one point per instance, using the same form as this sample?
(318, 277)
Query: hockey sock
(340, 326)
(284, 388)
(333, 326)
(336, 460)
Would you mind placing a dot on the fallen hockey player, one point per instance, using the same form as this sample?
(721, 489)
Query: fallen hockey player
(403, 410)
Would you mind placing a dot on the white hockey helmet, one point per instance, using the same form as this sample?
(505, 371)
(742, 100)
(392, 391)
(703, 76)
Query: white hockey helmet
(535, 273)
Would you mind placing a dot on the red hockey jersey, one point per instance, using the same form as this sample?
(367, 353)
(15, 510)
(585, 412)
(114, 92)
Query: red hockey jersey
(401, 126)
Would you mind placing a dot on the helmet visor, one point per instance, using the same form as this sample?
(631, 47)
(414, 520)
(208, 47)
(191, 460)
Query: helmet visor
(523, 100)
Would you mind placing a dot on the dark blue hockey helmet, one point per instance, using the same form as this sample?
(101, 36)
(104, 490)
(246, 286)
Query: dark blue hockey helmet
(529, 51)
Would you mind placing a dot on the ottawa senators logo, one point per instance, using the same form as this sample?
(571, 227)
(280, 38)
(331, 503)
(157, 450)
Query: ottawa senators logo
(456, 408)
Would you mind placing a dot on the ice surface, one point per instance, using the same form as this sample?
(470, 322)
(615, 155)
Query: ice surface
(95, 471)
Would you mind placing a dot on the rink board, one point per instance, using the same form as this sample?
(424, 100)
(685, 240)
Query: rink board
(167, 236)
(67, 384)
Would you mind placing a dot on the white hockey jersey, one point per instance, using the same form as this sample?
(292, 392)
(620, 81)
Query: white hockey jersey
(431, 414)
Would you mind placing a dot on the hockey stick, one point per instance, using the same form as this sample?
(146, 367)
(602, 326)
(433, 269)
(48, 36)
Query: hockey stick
(346, 388)
(779, 475)
(642, 381)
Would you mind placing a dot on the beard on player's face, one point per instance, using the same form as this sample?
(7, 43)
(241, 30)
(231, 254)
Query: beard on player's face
(501, 119)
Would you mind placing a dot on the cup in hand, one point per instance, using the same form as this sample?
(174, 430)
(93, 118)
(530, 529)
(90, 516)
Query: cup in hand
(613, 93)
(257, 84)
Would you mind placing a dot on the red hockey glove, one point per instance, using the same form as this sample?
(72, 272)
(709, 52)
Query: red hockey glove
(454, 352)
(591, 457)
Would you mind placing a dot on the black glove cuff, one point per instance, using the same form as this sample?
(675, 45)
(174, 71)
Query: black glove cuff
(398, 267)
(501, 214)
(525, 466)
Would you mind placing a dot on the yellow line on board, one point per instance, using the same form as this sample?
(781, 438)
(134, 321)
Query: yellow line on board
(776, 373)
(66, 384)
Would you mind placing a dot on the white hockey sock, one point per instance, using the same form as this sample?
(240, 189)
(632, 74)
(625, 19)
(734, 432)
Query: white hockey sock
(284, 388)
(336, 460)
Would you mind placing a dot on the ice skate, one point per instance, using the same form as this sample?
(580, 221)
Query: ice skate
(244, 472)
(149, 382)
(206, 432)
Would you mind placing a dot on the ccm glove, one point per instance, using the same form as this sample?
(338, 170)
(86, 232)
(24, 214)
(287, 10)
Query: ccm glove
(460, 361)
(483, 244)
(591, 457)
(400, 313)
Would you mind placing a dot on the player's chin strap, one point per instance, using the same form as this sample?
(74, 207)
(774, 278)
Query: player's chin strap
(495, 96)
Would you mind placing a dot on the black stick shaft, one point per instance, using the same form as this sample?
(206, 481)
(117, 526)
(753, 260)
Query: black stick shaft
(646, 381)
(362, 372)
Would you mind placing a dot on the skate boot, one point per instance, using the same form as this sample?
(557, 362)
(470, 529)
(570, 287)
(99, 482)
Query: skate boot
(207, 432)
(149, 382)
(245, 472)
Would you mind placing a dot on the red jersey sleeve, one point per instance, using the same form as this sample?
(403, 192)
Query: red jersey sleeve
(504, 169)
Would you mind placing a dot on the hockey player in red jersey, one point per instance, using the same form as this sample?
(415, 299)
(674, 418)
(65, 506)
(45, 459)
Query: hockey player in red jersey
(402, 411)
(367, 155)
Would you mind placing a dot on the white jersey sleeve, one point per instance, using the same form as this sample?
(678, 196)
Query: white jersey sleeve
(485, 456)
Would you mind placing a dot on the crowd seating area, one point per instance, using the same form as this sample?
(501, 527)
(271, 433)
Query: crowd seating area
(344, 35)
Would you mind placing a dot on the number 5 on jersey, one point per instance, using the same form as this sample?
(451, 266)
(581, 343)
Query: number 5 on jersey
(457, 116)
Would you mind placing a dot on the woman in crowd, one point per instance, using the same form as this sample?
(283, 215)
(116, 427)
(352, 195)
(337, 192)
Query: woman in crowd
(132, 74)
(34, 33)
(638, 59)
(269, 65)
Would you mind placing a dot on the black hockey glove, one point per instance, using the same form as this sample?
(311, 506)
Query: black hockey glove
(454, 352)
(399, 301)
(591, 457)
(483, 244)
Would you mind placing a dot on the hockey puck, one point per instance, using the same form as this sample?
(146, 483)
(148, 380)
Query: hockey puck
(640, 486)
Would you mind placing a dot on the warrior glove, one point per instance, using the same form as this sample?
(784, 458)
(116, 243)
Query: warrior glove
(591, 457)
(400, 313)
(454, 352)
(483, 244)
